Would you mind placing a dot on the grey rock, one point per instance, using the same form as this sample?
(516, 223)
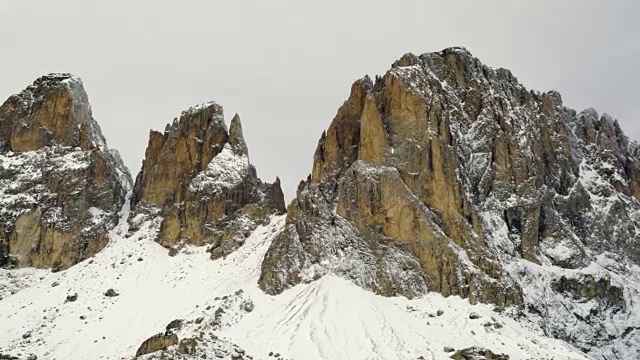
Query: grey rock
(174, 325)
(247, 306)
(111, 293)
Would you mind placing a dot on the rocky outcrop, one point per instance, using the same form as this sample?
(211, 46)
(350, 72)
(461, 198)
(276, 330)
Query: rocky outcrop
(61, 187)
(198, 184)
(447, 175)
(477, 353)
(156, 343)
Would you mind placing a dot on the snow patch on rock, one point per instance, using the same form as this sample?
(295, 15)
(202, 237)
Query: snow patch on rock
(226, 171)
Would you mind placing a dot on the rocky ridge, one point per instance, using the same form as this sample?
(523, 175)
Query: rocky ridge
(61, 187)
(198, 186)
(450, 176)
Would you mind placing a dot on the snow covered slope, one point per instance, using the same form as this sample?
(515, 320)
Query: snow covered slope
(221, 306)
(334, 319)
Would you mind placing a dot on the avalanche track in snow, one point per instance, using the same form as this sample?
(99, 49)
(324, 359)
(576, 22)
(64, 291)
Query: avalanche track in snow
(328, 319)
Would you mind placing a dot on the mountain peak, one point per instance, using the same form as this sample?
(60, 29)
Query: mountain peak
(71, 186)
(450, 176)
(411, 59)
(236, 136)
(53, 79)
(209, 107)
(205, 168)
(53, 111)
(43, 86)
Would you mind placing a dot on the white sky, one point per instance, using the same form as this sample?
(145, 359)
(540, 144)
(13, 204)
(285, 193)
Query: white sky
(287, 65)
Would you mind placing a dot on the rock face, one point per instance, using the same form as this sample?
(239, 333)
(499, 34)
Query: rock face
(61, 187)
(197, 182)
(447, 175)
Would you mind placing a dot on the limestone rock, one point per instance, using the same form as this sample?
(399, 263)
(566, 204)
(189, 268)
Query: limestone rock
(61, 187)
(447, 175)
(156, 343)
(197, 181)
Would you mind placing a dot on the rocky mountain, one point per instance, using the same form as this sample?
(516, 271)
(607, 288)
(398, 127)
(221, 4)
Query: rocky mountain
(198, 185)
(61, 187)
(447, 175)
(450, 214)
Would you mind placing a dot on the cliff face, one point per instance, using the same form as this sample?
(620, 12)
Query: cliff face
(198, 185)
(447, 175)
(61, 187)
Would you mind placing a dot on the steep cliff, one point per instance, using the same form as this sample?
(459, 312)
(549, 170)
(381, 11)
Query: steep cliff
(447, 175)
(198, 185)
(61, 187)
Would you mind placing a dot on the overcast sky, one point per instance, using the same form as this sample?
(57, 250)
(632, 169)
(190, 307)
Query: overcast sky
(287, 65)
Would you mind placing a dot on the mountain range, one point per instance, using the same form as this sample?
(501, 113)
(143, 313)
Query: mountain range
(450, 213)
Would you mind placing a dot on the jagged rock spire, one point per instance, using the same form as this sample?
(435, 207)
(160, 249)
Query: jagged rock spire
(236, 137)
(200, 165)
(186, 147)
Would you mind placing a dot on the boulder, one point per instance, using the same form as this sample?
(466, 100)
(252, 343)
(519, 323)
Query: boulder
(111, 293)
